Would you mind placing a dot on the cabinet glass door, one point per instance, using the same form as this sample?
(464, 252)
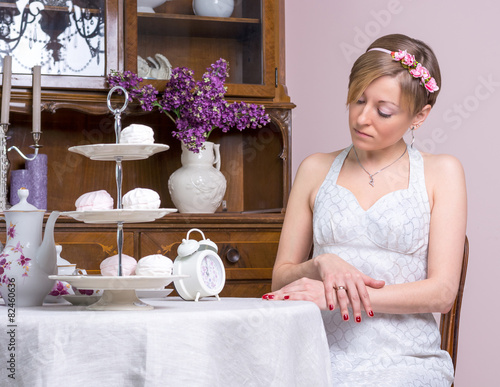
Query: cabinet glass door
(173, 31)
(68, 39)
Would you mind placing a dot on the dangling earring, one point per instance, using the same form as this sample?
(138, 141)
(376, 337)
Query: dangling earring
(412, 137)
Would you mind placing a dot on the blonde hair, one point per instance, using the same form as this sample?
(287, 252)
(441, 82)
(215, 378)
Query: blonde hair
(375, 64)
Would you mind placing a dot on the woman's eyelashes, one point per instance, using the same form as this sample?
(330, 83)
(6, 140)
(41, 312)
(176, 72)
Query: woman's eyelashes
(380, 112)
(384, 115)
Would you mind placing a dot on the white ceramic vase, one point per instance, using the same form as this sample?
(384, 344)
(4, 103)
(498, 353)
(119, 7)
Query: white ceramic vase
(214, 8)
(199, 185)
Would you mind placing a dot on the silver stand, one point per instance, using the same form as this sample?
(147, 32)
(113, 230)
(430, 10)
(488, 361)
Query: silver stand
(118, 170)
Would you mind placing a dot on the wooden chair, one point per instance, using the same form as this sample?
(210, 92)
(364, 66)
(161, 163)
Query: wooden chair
(450, 321)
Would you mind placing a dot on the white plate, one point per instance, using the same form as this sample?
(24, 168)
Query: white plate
(117, 283)
(78, 300)
(113, 216)
(109, 152)
(153, 293)
(119, 292)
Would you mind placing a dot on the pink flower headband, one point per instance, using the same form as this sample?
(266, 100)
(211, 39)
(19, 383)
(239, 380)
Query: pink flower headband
(414, 68)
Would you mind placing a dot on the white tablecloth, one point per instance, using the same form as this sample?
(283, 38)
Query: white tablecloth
(232, 342)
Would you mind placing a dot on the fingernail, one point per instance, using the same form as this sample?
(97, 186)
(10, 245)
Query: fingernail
(346, 317)
(331, 307)
(370, 313)
(271, 296)
(286, 297)
(358, 319)
(265, 297)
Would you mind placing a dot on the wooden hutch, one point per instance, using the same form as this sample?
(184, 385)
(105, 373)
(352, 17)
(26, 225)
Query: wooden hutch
(256, 163)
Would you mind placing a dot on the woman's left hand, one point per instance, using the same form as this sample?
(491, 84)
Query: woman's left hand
(304, 289)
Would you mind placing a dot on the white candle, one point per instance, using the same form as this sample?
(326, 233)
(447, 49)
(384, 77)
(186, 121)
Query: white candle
(37, 98)
(6, 82)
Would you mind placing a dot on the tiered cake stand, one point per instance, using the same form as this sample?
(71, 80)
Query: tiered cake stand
(119, 291)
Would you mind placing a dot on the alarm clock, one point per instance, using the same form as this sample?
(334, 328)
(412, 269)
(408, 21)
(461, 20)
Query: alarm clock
(200, 261)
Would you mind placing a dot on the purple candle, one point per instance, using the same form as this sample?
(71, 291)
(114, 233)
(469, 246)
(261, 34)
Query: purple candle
(18, 179)
(38, 170)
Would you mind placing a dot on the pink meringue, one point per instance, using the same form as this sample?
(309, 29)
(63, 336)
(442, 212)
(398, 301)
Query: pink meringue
(96, 200)
(109, 266)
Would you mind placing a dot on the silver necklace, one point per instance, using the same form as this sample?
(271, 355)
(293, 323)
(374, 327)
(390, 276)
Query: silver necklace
(371, 182)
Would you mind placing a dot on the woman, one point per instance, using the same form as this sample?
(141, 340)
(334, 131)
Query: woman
(387, 223)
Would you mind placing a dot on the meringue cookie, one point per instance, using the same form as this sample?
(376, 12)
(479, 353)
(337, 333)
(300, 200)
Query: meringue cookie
(154, 265)
(141, 199)
(94, 201)
(137, 134)
(109, 266)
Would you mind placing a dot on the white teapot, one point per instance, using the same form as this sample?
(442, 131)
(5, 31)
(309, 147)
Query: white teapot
(26, 261)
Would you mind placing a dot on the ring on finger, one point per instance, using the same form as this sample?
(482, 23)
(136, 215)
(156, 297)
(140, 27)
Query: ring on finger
(340, 288)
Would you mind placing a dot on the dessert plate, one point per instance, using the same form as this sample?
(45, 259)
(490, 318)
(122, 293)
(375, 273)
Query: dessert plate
(119, 292)
(116, 282)
(113, 216)
(109, 152)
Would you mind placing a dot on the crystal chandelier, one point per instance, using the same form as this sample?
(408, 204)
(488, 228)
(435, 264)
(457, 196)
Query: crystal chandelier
(64, 37)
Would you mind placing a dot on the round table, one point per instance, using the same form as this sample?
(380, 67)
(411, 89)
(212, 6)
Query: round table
(231, 342)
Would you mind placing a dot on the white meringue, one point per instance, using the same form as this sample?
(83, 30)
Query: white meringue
(109, 266)
(94, 201)
(137, 134)
(141, 199)
(154, 265)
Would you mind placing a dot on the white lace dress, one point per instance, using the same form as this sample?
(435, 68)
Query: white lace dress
(389, 242)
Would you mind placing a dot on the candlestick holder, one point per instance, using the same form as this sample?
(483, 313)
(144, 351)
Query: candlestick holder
(4, 160)
(4, 165)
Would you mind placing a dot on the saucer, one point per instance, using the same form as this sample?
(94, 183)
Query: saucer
(79, 300)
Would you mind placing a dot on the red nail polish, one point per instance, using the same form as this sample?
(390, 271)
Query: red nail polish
(271, 296)
(370, 313)
(265, 297)
(331, 307)
(286, 297)
(358, 319)
(346, 317)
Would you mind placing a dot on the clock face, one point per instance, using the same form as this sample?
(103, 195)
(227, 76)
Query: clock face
(211, 273)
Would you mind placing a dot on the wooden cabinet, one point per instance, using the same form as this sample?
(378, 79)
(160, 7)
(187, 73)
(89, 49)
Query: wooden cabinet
(256, 163)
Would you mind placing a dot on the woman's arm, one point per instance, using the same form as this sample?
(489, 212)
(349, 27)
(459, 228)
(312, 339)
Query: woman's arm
(296, 235)
(295, 244)
(447, 195)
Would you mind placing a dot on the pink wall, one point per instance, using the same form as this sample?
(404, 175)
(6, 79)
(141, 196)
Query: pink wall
(323, 38)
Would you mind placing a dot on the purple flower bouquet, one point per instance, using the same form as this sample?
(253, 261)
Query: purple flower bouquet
(196, 107)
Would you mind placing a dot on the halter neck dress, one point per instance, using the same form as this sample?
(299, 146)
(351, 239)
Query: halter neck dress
(388, 241)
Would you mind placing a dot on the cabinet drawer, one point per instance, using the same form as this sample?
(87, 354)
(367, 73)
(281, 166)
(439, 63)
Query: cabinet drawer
(247, 254)
(88, 249)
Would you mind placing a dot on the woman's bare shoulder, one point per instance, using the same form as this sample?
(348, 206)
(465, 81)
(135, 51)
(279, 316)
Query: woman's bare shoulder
(444, 175)
(318, 163)
(442, 165)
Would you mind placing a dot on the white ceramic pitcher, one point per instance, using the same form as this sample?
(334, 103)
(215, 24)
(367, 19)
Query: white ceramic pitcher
(26, 261)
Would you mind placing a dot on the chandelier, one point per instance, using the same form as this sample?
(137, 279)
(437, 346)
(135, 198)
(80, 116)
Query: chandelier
(64, 37)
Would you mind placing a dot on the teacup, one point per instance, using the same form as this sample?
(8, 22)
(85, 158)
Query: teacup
(66, 269)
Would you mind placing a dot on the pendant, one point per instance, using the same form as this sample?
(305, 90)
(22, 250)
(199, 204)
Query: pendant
(371, 182)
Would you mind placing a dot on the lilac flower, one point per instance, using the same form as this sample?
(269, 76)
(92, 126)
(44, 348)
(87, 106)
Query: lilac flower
(196, 107)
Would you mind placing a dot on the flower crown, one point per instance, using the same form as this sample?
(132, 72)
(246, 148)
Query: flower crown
(415, 69)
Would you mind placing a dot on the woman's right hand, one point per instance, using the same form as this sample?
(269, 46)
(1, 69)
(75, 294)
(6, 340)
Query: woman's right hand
(348, 283)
